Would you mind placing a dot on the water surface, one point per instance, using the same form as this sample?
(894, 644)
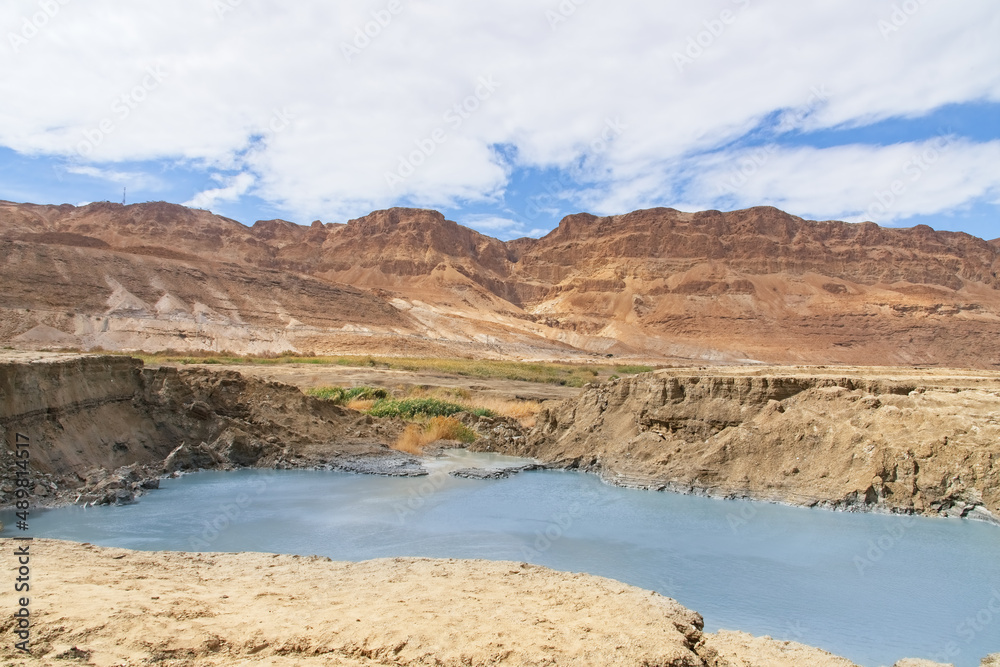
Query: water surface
(871, 588)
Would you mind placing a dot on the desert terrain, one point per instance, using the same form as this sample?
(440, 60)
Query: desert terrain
(866, 439)
(171, 608)
(113, 426)
(824, 364)
(756, 285)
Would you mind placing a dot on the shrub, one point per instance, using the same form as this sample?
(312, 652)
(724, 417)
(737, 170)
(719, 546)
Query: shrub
(410, 408)
(410, 440)
(415, 438)
(448, 428)
(344, 395)
(633, 370)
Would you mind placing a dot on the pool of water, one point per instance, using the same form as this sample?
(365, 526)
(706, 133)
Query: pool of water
(871, 588)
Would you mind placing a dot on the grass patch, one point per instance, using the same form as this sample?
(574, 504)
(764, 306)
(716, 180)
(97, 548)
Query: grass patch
(632, 370)
(571, 375)
(421, 402)
(413, 408)
(348, 395)
(553, 373)
(416, 437)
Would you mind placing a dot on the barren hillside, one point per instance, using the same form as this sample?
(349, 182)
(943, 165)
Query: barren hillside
(850, 438)
(751, 285)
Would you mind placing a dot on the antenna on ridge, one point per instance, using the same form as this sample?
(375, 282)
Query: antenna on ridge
(123, 195)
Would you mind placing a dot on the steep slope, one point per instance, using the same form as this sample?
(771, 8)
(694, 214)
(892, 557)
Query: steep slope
(868, 439)
(160, 276)
(756, 284)
(87, 413)
(86, 297)
(761, 284)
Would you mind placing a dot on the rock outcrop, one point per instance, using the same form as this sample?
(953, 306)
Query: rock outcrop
(103, 428)
(757, 284)
(870, 439)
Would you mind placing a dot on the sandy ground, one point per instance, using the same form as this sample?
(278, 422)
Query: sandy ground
(306, 376)
(105, 607)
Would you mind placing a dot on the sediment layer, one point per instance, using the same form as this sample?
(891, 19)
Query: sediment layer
(926, 442)
(105, 428)
(757, 284)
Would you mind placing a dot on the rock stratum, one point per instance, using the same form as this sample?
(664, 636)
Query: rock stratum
(872, 439)
(756, 284)
(105, 428)
(865, 439)
(102, 606)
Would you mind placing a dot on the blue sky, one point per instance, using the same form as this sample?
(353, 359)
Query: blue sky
(508, 116)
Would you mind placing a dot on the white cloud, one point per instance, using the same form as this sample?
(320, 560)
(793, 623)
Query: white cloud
(266, 89)
(490, 223)
(857, 182)
(135, 179)
(235, 187)
(500, 227)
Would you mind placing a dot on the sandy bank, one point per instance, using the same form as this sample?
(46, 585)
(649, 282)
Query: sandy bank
(923, 441)
(88, 415)
(104, 607)
(870, 439)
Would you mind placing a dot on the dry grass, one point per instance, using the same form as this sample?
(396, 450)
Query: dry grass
(521, 410)
(415, 438)
(411, 440)
(360, 404)
(570, 374)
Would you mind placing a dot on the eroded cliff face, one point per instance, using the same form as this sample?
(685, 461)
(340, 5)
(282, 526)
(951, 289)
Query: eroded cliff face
(916, 441)
(920, 443)
(757, 284)
(86, 416)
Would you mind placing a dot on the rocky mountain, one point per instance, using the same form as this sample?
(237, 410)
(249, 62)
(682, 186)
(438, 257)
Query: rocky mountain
(750, 285)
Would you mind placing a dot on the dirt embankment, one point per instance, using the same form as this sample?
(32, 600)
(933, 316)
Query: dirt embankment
(864, 439)
(104, 428)
(806, 437)
(101, 606)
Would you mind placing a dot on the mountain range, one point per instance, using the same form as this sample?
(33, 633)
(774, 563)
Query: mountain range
(754, 285)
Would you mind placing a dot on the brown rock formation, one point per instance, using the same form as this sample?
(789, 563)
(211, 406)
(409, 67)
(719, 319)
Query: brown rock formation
(753, 284)
(869, 439)
(90, 415)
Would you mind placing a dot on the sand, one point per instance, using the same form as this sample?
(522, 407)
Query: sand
(104, 607)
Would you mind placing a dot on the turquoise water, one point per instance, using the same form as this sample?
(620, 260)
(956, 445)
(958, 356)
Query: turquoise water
(871, 588)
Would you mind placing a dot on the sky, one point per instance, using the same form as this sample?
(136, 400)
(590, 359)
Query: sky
(507, 116)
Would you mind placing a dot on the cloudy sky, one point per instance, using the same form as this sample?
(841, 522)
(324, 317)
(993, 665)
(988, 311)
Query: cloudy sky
(508, 115)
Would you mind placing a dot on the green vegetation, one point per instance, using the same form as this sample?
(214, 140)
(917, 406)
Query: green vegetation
(381, 405)
(633, 370)
(344, 395)
(412, 408)
(572, 375)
